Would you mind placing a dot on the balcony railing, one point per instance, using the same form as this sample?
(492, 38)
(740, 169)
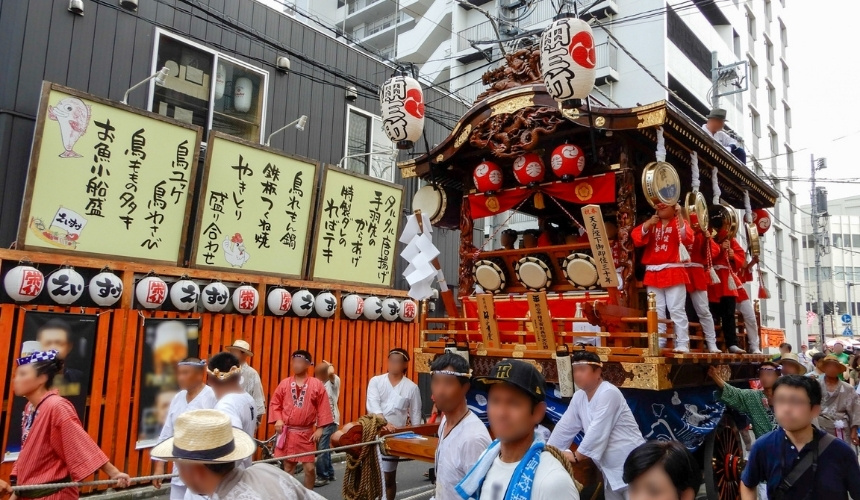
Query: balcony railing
(360, 4)
(477, 33)
(544, 11)
(386, 22)
(607, 55)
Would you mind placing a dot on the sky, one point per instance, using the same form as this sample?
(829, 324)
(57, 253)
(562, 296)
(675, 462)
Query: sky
(824, 72)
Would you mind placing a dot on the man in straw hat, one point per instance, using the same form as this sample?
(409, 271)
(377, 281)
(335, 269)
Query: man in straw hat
(791, 364)
(840, 408)
(714, 128)
(599, 410)
(224, 378)
(250, 378)
(209, 449)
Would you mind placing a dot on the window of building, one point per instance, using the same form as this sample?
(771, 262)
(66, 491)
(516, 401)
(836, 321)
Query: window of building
(792, 204)
(855, 240)
(753, 73)
(826, 273)
(232, 101)
(836, 241)
(787, 115)
(771, 96)
(786, 80)
(846, 240)
(798, 295)
(768, 11)
(768, 48)
(756, 122)
(803, 239)
(795, 251)
(751, 27)
(806, 274)
(839, 272)
(780, 286)
(364, 135)
(774, 142)
(783, 34)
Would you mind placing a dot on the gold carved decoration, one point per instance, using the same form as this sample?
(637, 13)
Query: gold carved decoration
(422, 361)
(646, 376)
(571, 114)
(511, 105)
(440, 158)
(652, 118)
(464, 136)
(600, 121)
(408, 171)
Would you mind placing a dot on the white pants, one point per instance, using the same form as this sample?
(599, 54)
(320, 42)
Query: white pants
(750, 325)
(762, 491)
(609, 494)
(699, 298)
(673, 298)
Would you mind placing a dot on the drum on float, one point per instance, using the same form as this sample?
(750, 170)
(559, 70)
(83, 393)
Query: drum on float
(695, 210)
(534, 272)
(730, 220)
(580, 271)
(661, 184)
(441, 205)
(753, 239)
(490, 275)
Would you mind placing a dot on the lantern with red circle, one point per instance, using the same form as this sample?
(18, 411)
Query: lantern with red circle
(568, 58)
(528, 169)
(567, 161)
(402, 104)
(488, 177)
(761, 219)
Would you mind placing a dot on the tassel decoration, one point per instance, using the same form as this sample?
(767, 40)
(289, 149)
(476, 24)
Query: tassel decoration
(694, 171)
(715, 183)
(538, 201)
(748, 217)
(715, 279)
(683, 254)
(660, 154)
(733, 280)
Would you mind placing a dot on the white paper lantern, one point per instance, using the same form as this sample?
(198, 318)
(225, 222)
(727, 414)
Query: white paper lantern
(325, 305)
(215, 296)
(279, 301)
(568, 59)
(303, 303)
(372, 308)
(151, 292)
(65, 286)
(220, 81)
(390, 309)
(243, 89)
(23, 283)
(245, 299)
(353, 306)
(105, 289)
(408, 310)
(402, 104)
(184, 295)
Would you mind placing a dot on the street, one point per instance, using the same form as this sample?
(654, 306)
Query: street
(411, 483)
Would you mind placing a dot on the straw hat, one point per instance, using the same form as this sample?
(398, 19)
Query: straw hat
(832, 359)
(792, 358)
(241, 345)
(205, 437)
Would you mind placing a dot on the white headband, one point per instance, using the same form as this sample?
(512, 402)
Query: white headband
(452, 373)
(595, 363)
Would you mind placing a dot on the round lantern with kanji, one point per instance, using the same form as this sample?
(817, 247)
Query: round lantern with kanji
(402, 104)
(353, 306)
(408, 310)
(567, 162)
(23, 283)
(487, 177)
(372, 308)
(184, 294)
(215, 296)
(151, 292)
(325, 305)
(279, 301)
(390, 309)
(105, 289)
(528, 169)
(568, 59)
(762, 221)
(245, 299)
(65, 286)
(303, 303)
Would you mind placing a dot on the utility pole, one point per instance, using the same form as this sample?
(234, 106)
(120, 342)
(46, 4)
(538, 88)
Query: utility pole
(822, 163)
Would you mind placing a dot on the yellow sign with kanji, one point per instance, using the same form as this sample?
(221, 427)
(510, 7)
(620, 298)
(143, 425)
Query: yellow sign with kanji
(108, 179)
(255, 209)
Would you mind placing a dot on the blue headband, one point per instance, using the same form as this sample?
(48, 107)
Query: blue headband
(198, 364)
(38, 356)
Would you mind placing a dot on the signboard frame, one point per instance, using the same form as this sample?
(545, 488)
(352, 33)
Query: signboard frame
(201, 207)
(317, 220)
(32, 167)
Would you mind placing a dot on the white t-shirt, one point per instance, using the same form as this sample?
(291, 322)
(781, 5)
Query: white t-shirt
(551, 481)
(332, 388)
(204, 400)
(457, 453)
(239, 406)
(395, 403)
(723, 138)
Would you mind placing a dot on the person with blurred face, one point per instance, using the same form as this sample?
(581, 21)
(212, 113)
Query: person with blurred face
(396, 399)
(516, 465)
(462, 435)
(250, 378)
(56, 335)
(599, 410)
(509, 239)
(791, 364)
(840, 407)
(805, 358)
(325, 373)
(300, 411)
(816, 364)
(662, 470)
(225, 380)
(798, 461)
(194, 395)
(755, 404)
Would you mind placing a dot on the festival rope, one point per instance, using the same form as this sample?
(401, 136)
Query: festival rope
(362, 479)
(559, 455)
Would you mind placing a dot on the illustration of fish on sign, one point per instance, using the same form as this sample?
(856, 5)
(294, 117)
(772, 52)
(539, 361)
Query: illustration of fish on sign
(64, 231)
(73, 117)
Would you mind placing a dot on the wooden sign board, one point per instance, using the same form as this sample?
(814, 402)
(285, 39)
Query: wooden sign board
(357, 225)
(541, 321)
(106, 179)
(601, 248)
(255, 209)
(487, 321)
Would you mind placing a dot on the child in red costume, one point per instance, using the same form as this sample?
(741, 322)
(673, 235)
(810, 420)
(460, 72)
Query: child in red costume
(723, 295)
(697, 289)
(662, 236)
(745, 307)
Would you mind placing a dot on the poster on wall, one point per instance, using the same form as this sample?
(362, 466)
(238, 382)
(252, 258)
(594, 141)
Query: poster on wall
(106, 179)
(358, 219)
(166, 342)
(255, 209)
(73, 337)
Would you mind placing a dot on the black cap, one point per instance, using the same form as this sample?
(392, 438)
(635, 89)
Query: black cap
(519, 374)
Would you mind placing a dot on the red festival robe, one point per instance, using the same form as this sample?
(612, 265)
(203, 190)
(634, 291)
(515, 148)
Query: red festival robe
(663, 267)
(722, 260)
(56, 447)
(697, 268)
(300, 408)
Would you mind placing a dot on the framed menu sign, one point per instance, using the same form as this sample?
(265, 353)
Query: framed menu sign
(357, 221)
(255, 209)
(107, 179)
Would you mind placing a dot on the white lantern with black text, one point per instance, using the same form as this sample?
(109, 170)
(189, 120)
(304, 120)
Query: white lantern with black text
(391, 309)
(568, 59)
(23, 283)
(408, 310)
(279, 301)
(105, 289)
(184, 295)
(303, 303)
(65, 286)
(402, 104)
(372, 308)
(245, 299)
(353, 306)
(215, 296)
(325, 305)
(151, 292)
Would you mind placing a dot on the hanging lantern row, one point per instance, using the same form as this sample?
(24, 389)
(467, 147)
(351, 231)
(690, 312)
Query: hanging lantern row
(402, 103)
(280, 301)
(567, 162)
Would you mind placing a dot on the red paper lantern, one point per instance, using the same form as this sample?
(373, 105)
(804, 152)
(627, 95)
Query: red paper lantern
(488, 177)
(762, 221)
(567, 161)
(402, 104)
(528, 169)
(568, 59)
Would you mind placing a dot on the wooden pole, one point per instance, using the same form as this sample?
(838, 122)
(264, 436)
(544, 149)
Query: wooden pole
(653, 335)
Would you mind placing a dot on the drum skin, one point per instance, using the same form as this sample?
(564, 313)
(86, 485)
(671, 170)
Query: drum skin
(490, 275)
(534, 272)
(441, 205)
(580, 271)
